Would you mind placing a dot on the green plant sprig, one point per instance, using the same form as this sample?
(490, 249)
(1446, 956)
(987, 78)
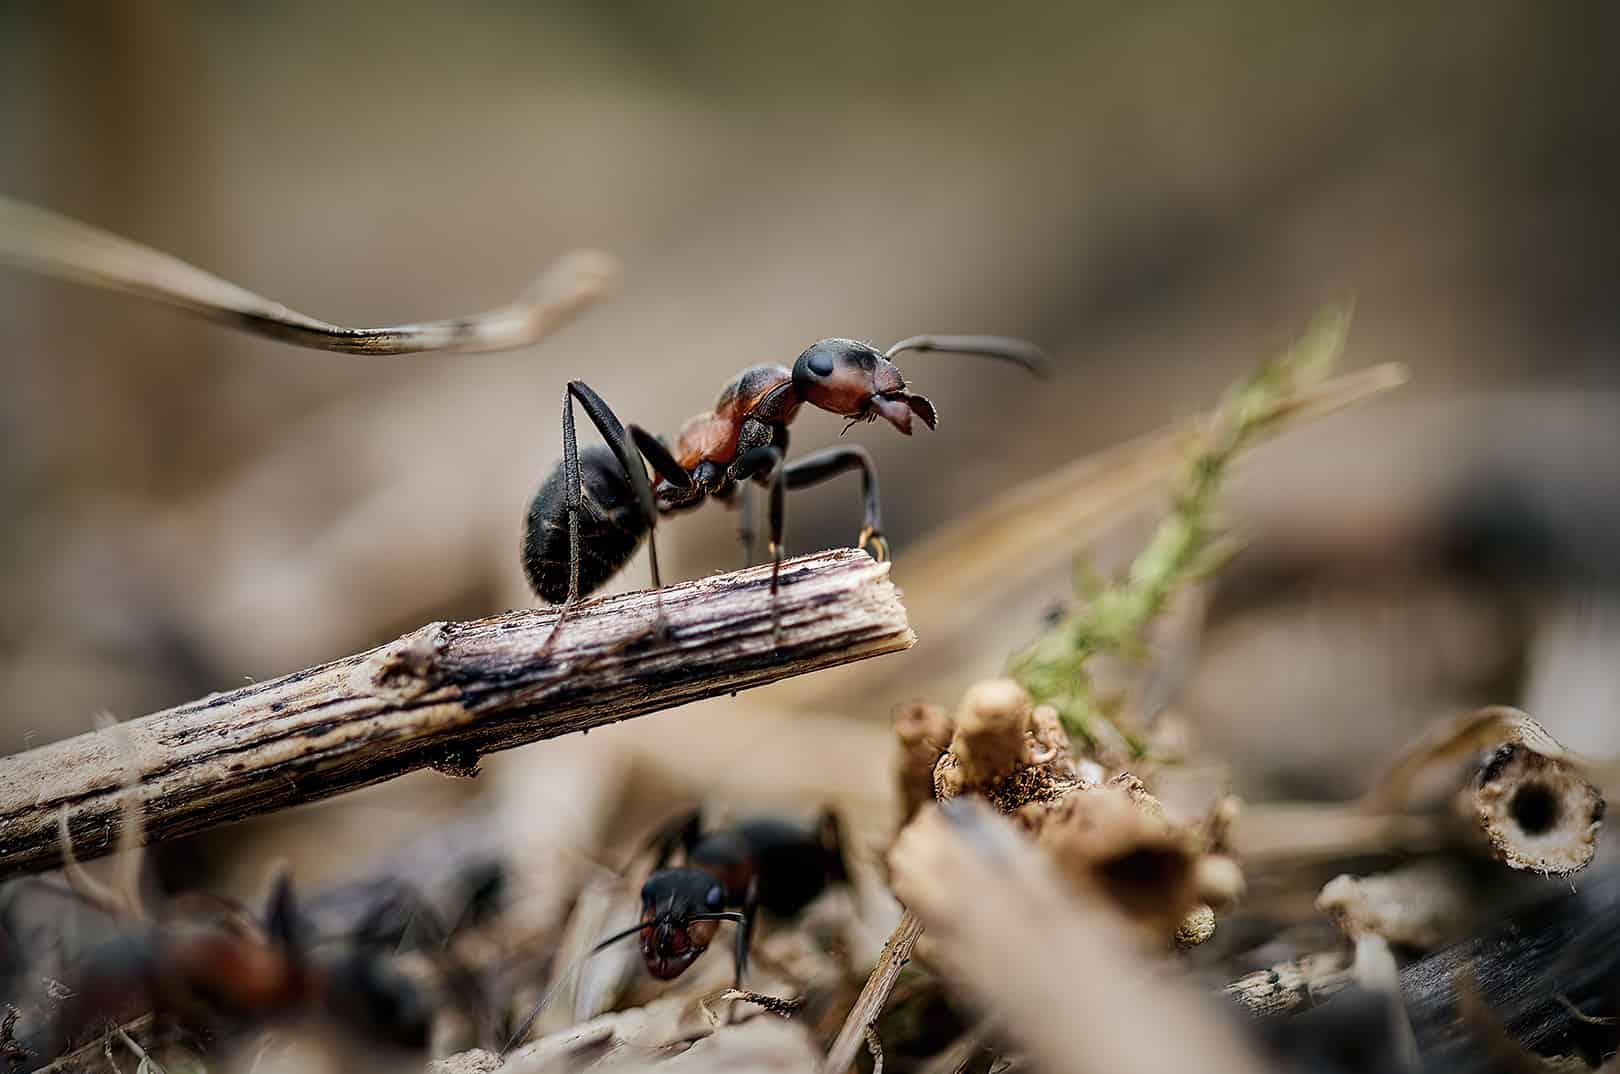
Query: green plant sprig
(1188, 544)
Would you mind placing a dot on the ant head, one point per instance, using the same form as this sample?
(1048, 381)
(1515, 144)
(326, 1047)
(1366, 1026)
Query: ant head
(856, 381)
(678, 908)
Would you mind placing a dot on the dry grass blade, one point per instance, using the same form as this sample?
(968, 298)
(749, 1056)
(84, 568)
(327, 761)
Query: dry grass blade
(54, 245)
(1038, 527)
(1042, 522)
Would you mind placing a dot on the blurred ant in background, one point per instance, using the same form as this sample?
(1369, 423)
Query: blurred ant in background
(592, 513)
(731, 874)
(206, 965)
(766, 863)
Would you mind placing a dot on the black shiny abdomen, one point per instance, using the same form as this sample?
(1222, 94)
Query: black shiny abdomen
(611, 527)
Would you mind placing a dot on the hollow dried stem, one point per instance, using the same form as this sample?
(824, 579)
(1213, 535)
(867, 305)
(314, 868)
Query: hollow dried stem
(1511, 785)
(1529, 796)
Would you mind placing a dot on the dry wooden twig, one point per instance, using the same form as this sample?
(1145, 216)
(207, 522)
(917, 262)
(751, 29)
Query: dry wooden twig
(55, 245)
(440, 697)
(896, 953)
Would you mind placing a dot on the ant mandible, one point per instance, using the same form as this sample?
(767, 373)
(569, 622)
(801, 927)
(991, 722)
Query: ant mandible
(591, 514)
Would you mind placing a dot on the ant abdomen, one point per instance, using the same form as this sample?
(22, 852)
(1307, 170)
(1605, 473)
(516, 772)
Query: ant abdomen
(611, 527)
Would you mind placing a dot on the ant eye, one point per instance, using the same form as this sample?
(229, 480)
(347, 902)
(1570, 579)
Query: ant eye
(717, 898)
(821, 364)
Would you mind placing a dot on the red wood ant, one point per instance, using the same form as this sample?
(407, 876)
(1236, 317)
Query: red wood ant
(210, 966)
(766, 863)
(593, 511)
(205, 964)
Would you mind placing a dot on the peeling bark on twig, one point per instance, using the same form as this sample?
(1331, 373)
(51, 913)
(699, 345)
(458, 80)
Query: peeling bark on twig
(441, 697)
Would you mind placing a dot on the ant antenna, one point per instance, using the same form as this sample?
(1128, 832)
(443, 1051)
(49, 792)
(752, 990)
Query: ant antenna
(602, 945)
(561, 979)
(1004, 348)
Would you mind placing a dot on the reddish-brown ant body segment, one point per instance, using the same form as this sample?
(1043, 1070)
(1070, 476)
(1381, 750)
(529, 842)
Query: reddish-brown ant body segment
(207, 965)
(591, 514)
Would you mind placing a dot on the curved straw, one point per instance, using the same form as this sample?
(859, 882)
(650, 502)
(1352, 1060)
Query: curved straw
(53, 245)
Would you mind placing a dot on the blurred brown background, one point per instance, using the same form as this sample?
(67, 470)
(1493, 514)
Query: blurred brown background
(1161, 193)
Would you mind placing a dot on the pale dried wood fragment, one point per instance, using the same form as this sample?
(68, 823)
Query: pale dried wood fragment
(1062, 974)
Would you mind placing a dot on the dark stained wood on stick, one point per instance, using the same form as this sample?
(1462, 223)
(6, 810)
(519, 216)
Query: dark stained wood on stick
(442, 696)
(1531, 972)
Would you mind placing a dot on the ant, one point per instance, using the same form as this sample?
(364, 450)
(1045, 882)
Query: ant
(766, 863)
(208, 965)
(593, 511)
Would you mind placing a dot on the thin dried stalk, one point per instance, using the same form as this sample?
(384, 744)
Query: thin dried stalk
(54, 245)
(1036, 527)
(870, 1003)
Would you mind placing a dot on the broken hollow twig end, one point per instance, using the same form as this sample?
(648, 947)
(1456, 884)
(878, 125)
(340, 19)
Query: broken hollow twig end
(1538, 812)
(442, 697)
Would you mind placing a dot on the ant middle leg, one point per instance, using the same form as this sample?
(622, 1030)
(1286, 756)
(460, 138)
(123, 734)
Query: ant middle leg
(755, 463)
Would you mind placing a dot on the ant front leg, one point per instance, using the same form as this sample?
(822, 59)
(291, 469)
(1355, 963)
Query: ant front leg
(745, 939)
(745, 931)
(825, 465)
(629, 445)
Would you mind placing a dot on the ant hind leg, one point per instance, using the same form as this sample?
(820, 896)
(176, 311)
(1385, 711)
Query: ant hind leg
(630, 445)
